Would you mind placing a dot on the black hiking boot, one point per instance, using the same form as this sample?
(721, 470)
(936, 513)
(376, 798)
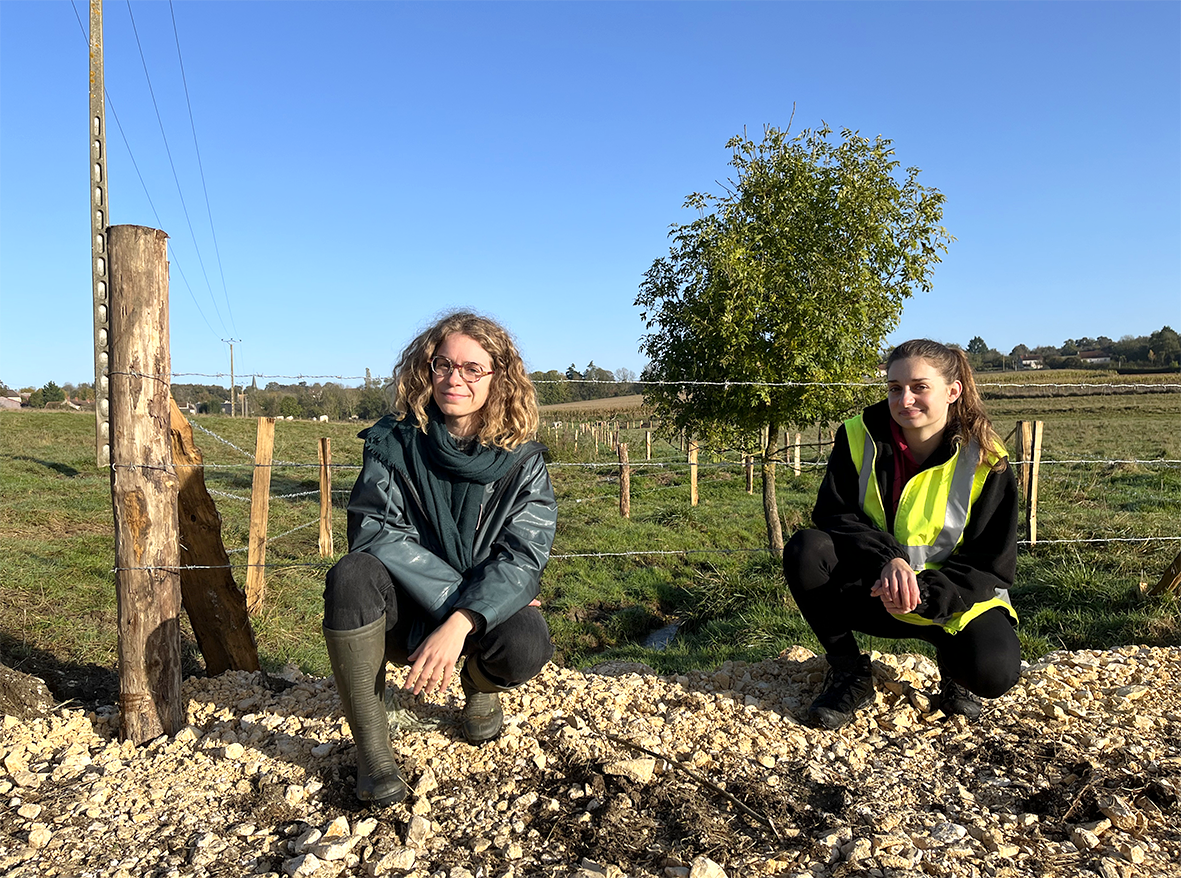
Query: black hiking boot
(848, 686)
(954, 700)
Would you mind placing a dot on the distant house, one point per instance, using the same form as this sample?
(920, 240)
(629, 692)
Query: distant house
(8, 403)
(1032, 363)
(1094, 356)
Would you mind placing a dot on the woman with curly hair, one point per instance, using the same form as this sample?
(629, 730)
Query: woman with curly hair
(915, 536)
(450, 525)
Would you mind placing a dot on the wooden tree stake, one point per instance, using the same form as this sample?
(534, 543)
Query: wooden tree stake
(795, 459)
(647, 445)
(692, 472)
(749, 460)
(325, 497)
(143, 486)
(625, 483)
(260, 496)
(1029, 453)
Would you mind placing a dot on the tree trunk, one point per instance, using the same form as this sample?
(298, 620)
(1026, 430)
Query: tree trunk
(770, 506)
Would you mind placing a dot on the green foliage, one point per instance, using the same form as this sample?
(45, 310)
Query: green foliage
(795, 274)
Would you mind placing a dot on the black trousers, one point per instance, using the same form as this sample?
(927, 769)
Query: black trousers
(358, 591)
(835, 599)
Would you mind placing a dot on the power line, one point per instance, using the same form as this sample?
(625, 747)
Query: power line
(201, 168)
(172, 164)
(134, 164)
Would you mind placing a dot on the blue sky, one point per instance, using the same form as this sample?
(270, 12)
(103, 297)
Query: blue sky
(370, 164)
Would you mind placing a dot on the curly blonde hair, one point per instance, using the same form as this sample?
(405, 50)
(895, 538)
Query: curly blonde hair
(966, 417)
(509, 417)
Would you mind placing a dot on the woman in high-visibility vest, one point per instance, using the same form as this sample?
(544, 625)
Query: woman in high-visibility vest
(915, 537)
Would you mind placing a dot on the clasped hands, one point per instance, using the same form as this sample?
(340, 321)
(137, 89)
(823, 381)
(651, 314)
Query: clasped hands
(433, 663)
(898, 587)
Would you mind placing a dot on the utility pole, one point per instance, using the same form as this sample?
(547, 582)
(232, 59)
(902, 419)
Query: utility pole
(99, 220)
(233, 404)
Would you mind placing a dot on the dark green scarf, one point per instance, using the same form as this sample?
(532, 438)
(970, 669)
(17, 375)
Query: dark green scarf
(448, 478)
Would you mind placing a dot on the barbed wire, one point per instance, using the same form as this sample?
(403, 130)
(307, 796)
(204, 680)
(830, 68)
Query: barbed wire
(566, 556)
(685, 382)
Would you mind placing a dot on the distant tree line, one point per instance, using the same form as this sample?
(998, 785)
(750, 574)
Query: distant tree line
(555, 387)
(1159, 351)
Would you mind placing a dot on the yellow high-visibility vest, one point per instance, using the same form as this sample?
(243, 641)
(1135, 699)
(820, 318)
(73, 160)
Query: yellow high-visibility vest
(932, 512)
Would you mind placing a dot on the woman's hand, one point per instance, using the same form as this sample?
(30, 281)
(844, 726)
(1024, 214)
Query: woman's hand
(898, 587)
(434, 660)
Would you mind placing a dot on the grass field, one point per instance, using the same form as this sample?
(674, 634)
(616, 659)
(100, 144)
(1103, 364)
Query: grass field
(57, 595)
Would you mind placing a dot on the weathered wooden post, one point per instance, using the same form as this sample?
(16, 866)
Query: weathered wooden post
(144, 486)
(325, 497)
(692, 472)
(215, 604)
(647, 445)
(795, 459)
(749, 462)
(260, 495)
(625, 483)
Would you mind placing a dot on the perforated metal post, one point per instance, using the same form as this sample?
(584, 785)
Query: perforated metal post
(99, 220)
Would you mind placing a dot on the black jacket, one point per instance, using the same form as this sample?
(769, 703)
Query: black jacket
(986, 559)
(513, 538)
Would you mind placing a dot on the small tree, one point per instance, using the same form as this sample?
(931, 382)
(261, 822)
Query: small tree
(789, 280)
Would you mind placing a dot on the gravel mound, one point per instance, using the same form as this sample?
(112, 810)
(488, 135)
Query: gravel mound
(620, 772)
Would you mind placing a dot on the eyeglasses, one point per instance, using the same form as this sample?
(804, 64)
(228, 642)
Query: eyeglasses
(470, 372)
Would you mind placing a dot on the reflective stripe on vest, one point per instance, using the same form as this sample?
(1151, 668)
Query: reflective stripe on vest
(959, 500)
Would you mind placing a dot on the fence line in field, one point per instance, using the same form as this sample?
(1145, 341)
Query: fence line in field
(641, 382)
(679, 466)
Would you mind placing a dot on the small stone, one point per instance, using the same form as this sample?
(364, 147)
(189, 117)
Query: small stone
(322, 750)
(364, 828)
(1133, 853)
(638, 770)
(234, 751)
(39, 836)
(29, 811)
(305, 864)
(427, 783)
(399, 859)
(338, 828)
(1084, 839)
(418, 830)
(704, 867)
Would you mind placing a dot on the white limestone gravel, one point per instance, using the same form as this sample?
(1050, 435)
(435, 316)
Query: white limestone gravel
(1075, 772)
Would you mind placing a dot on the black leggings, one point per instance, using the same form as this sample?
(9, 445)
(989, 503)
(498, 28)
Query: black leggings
(358, 591)
(835, 599)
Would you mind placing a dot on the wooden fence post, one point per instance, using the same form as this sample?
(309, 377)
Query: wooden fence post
(795, 460)
(692, 472)
(749, 461)
(647, 445)
(625, 483)
(1029, 452)
(143, 486)
(260, 495)
(215, 604)
(326, 548)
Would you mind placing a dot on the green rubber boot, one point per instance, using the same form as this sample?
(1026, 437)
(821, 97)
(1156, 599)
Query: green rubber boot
(482, 716)
(358, 666)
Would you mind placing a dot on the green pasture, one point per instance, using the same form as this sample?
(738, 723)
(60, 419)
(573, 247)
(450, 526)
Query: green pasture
(704, 567)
